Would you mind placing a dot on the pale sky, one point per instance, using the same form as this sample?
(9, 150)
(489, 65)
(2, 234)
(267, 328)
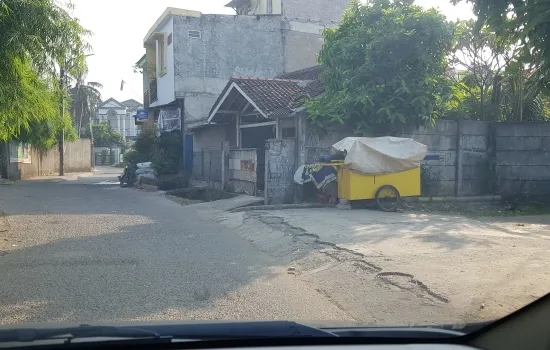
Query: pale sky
(120, 25)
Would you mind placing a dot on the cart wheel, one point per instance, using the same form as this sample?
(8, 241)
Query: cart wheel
(387, 198)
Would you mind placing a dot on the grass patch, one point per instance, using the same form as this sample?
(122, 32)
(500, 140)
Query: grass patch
(481, 210)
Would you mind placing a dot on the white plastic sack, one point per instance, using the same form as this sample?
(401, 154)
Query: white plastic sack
(140, 171)
(381, 155)
(148, 175)
(144, 165)
(298, 175)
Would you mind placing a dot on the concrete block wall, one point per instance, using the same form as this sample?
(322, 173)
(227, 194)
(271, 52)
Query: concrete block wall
(46, 162)
(318, 142)
(523, 158)
(442, 139)
(78, 156)
(474, 162)
(279, 173)
(207, 164)
(209, 138)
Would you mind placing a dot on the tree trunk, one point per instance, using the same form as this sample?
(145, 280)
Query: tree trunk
(520, 94)
(80, 122)
(482, 94)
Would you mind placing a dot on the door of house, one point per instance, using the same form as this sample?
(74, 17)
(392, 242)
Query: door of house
(256, 138)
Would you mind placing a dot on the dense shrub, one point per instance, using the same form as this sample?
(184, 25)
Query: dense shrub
(164, 151)
(145, 145)
(130, 156)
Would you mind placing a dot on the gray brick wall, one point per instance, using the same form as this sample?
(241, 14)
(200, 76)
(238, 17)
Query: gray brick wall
(279, 172)
(442, 139)
(523, 158)
(475, 147)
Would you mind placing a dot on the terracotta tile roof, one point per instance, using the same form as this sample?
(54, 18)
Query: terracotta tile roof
(310, 73)
(314, 86)
(272, 96)
(278, 96)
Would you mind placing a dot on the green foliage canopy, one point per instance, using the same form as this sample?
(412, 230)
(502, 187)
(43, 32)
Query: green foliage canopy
(36, 38)
(85, 97)
(484, 57)
(384, 67)
(164, 150)
(105, 136)
(524, 23)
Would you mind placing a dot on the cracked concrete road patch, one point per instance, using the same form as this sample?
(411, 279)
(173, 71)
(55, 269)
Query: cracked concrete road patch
(348, 279)
(386, 267)
(406, 281)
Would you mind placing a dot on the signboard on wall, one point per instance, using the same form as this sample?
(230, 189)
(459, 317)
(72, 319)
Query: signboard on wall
(169, 119)
(20, 152)
(142, 115)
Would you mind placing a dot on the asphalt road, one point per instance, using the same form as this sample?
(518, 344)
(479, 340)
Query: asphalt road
(82, 249)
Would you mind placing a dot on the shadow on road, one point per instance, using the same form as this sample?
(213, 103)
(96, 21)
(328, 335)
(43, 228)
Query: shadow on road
(88, 252)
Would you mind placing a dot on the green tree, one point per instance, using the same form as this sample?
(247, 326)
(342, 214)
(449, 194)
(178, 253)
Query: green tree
(520, 97)
(484, 57)
(85, 97)
(105, 136)
(384, 67)
(493, 84)
(37, 37)
(524, 23)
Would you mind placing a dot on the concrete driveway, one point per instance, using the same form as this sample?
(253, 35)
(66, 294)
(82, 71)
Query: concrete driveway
(419, 267)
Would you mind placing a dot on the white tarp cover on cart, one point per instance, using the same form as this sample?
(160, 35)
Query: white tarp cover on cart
(381, 155)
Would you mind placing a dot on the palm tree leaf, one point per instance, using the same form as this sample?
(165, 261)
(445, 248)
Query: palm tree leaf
(95, 84)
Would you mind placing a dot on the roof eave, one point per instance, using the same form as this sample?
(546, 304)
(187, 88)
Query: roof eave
(141, 61)
(230, 86)
(165, 16)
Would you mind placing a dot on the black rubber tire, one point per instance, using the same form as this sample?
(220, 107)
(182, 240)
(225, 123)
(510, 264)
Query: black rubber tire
(122, 184)
(397, 196)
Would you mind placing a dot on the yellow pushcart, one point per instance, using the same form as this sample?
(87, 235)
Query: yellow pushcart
(386, 189)
(400, 178)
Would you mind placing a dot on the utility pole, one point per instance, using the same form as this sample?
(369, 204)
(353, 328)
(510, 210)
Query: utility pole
(92, 155)
(62, 136)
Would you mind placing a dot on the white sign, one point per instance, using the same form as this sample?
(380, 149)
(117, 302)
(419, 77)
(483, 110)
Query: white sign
(20, 152)
(169, 119)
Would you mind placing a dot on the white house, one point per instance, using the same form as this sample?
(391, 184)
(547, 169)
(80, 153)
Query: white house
(120, 115)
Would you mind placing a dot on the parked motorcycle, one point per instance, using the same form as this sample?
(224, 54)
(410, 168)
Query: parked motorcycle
(128, 177)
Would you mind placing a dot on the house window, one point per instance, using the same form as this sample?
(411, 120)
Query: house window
(289, 133)
(195, 34)
(161, 54)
